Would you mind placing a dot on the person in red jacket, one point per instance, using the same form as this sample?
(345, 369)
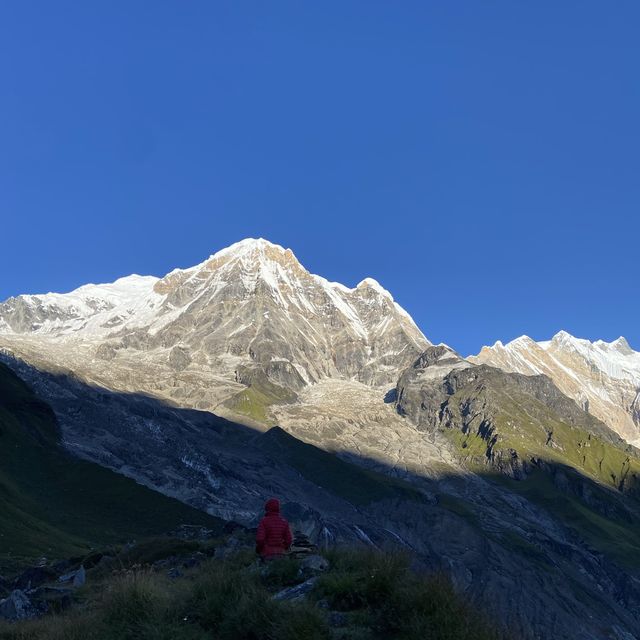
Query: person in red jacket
(274, 535)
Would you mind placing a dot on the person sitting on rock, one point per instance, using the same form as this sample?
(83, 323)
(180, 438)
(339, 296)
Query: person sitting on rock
(274, 534)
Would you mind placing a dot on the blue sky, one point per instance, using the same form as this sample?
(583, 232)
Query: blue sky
(480, 159)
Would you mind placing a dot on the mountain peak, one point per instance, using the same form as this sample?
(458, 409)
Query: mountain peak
(252, 252)
(248, 246)
(621, 345)
(562, 336)
(375, 285)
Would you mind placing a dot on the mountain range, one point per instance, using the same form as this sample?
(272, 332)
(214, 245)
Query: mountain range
(246, 376)
(602, 377)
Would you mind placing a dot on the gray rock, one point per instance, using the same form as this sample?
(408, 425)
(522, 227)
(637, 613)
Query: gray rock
(314, 564)
(17, 607)
(80, 578)
(299, 592)
(179, 358)
(77, 577)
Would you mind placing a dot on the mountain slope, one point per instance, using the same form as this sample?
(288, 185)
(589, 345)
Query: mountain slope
(524, 429)
(603, 378)
(54, 504)
(251, 306)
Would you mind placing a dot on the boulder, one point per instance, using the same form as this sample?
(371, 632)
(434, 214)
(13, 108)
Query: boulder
(77, 577)
(80, 578)
(299, 592)
(17, 607)
(314, 564)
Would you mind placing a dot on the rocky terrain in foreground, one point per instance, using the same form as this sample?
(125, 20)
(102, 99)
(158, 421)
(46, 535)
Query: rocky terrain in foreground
(195, 587)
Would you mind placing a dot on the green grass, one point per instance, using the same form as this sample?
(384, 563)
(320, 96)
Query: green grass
(252, 403)
(348, 481)
(55, 505)
(260, 394)
(592, 461)
(386, 600)
(524, 424)
(231, 599)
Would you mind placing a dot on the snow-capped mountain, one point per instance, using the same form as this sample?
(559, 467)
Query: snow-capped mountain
(602, 377)
(251, 335)
(184, 336)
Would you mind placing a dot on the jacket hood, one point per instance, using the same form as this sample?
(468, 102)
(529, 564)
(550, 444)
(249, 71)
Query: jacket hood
(272, 506)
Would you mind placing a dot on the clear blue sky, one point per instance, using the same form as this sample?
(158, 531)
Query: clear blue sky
(480, 159)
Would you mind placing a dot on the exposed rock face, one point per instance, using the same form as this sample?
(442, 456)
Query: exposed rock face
(183, 337)
(603, 378)
(507, 421)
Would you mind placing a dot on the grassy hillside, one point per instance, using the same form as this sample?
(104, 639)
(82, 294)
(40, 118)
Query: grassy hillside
(52, 504)
(589, 481)
(364, 595)
(260, 394)
(521, 423)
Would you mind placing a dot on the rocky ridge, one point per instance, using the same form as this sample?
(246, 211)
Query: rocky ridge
(195, 336)
(602, 377)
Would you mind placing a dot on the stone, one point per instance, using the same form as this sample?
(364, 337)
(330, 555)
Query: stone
(314, 564)
(302, 546)
(17, 607)
(299, 592)
(80, 578)
(77, 577)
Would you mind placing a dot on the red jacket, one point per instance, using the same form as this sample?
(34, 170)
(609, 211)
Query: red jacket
(274, 535)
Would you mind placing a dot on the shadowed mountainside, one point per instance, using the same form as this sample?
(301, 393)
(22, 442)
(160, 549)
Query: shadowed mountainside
(533, 548)
(53, 503)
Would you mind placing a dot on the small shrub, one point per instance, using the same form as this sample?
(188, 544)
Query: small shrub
(344, 591)
(362, 578)
(220, 590)
(133, 601)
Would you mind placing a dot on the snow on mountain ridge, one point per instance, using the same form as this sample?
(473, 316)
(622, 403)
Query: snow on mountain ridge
(250, 305)
(260, 260)
(603, 377)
